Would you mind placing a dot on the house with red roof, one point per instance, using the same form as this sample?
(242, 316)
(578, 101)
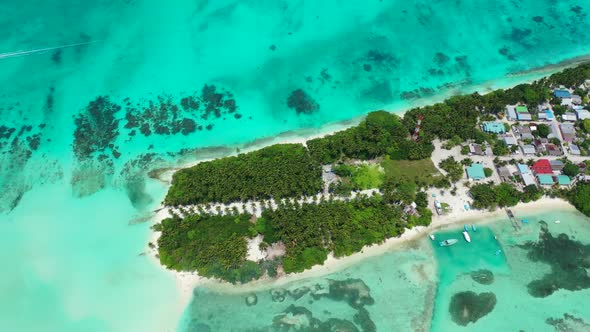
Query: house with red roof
(542, 166)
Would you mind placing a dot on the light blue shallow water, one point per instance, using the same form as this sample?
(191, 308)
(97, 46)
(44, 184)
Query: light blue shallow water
(76, 260)
(411, 287)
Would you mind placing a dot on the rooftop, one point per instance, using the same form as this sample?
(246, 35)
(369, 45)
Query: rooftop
(574, 149)
(545, 179)
(528, 179)
(522, 109)
(523, 169)
(549, 114)
(476, 172)
(542, 166)
(562, 94)
(494, 127)
(564, 180)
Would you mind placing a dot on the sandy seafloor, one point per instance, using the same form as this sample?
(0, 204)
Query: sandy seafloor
(72, 228)
(409, 286)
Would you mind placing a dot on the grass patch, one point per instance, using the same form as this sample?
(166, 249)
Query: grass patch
(417, 171)
(368, 177)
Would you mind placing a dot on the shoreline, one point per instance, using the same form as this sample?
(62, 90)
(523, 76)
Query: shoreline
(302, 135)
(187, 281)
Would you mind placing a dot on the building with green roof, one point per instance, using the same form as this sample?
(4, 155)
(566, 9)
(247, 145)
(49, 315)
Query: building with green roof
(564, 180)
(476, 172)
(522, 109)
(494, 127)
(545, 179)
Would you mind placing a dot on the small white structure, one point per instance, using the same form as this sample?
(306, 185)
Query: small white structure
(528, 149)
(569, 116)
(511, 113)
(575, 150)
(510, 140)
(582, 114)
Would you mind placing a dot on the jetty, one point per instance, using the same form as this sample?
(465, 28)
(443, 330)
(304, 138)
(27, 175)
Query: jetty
(515, 224)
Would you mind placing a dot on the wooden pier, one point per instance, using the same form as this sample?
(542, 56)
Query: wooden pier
(515, 223)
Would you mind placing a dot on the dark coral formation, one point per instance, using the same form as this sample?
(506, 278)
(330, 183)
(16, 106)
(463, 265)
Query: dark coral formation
(251, 300)
(90, 176)
(17, 146)
(301, 102)
(301, 319)
(417, 93)
(352, 291)
(469, 307)
(167, 117)
(506, 53)
(569, 261)
(483, 276)
(569, 323)
(96, 129)
(134, 176)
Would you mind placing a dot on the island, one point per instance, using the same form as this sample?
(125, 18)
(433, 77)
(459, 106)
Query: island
(296, 204)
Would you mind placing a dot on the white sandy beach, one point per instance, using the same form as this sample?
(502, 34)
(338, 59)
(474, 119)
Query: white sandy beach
(187, 281)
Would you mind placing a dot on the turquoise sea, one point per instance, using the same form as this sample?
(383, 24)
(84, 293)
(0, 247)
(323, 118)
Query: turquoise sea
(494, 283)
(96, 94)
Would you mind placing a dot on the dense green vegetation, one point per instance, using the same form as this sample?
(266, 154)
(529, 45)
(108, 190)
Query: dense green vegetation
(489, 196)
(579, 196)
(311, 231)
(421, 172)
(359, 177)
(278, 171)
(379, 134)
(213, 245)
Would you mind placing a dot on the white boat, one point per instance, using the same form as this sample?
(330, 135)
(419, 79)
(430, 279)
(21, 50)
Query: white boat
(557, 221)
(466, 236)
(432, 236)
(448, 242)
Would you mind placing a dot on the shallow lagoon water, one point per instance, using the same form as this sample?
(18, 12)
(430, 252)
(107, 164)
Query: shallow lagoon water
(69, 221)
(416, 282)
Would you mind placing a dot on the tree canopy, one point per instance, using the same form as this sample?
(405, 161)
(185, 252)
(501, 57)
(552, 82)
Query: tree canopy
(215, 246)
(310, 231)
(278, 171)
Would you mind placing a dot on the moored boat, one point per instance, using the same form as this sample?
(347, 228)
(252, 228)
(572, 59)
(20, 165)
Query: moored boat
(466, 228)
(466, 236)
(448, 242)
(432, 236)
(473, 228)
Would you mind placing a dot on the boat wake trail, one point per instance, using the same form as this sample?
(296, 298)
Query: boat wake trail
(42, 50)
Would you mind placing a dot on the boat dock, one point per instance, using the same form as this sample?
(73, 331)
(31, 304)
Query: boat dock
(515, 224)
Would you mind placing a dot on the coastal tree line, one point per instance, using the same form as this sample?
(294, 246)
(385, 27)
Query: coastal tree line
(310, 231)
(277, 171)
(216, 245)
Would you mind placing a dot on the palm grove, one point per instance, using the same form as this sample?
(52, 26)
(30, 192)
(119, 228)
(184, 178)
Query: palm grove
(215, 244)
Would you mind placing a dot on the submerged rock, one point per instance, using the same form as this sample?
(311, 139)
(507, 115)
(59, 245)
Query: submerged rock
(469, 307)
(568, 323)
(301, 102)
(278, 295)
(354, 291)
(483, 276)
(251, 300)
(569, 261)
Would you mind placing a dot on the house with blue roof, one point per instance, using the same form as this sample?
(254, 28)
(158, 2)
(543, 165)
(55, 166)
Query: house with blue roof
(564, 180)
(549, 115)
(526, 175)
(476, 172)
(559, 93)
(545, 179)
(493, 127)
